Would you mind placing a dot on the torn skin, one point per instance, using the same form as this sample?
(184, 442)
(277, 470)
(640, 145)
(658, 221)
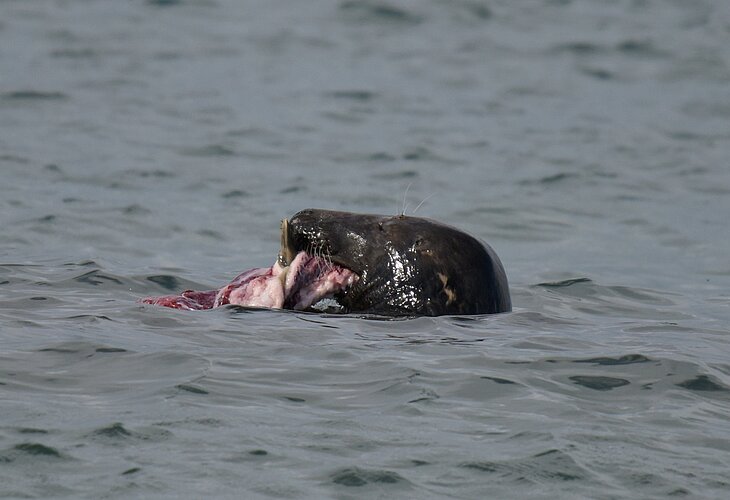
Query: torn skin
(300, 285)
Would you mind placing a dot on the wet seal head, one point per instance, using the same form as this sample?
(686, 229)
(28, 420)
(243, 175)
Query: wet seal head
(402, 265)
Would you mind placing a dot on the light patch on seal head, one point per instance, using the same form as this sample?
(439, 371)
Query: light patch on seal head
(450, 294)
(287, 252)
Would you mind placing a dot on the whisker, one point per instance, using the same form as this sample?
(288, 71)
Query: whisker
(424, 201)
(405, 196)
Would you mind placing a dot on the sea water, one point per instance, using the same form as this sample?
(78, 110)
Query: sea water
(150, 147)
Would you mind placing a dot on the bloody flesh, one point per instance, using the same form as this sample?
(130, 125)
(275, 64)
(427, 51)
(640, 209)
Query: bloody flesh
(303, 283)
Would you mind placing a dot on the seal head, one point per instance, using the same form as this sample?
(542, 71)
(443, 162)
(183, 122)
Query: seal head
(405, 265)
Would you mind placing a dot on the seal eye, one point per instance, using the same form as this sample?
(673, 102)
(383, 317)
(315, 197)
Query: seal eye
(419, 245)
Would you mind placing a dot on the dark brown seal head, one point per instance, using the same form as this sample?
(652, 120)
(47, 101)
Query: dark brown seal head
(405, 265)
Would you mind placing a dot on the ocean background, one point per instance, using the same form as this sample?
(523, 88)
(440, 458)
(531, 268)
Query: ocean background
(147, 147)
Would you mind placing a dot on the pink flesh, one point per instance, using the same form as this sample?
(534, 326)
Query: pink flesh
(307, 280)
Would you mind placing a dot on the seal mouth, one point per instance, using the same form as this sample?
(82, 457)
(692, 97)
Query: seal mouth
(299, 285)
(299, 279)
(308, 279)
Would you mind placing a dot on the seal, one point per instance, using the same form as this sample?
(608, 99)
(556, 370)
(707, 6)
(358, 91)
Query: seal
(365, 263)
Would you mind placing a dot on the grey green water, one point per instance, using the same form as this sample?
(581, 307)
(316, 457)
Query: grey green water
(149, 147)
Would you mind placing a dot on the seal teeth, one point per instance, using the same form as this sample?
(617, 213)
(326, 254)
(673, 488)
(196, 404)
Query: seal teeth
(287, 252)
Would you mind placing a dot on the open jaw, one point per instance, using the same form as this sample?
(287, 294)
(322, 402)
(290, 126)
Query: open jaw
(299, 283)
